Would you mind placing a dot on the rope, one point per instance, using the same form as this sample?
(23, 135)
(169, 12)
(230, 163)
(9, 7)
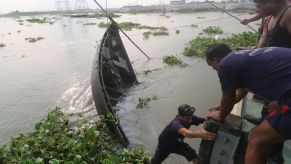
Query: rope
(230, 15)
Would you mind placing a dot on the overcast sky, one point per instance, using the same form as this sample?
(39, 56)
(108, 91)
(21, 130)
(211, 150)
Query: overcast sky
(40, 5)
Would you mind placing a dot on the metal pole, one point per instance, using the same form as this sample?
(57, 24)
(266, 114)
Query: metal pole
(231, 15)
(111, 19)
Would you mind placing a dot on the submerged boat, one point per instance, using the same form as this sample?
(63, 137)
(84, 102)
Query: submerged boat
(111, 75)
(230, 144)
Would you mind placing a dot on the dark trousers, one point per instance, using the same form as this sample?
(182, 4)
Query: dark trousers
(275, 151)
(183, 149)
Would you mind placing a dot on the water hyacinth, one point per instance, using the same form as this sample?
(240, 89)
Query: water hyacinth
(198, 45)
(55, 141)
(2, 45)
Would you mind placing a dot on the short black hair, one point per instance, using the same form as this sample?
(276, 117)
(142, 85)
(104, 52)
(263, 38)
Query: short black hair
(217, 50)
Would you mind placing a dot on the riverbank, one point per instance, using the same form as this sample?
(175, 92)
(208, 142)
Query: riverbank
(190, 7)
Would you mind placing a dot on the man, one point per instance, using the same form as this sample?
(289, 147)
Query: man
(276, 32)
(265, 72)
(171, 138)
(279, 26)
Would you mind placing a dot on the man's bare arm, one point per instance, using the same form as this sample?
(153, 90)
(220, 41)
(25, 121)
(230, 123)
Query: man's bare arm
(201, 133)
(287, 20)
(227, 102)
(240, 94)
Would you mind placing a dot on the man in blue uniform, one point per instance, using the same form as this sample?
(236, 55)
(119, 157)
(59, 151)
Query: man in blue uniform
(265, 72)
(171, 138)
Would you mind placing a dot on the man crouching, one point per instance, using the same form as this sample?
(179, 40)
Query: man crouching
(171, 140)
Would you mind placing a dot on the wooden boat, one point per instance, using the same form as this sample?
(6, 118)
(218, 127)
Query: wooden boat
(231, 141)
(111, 75)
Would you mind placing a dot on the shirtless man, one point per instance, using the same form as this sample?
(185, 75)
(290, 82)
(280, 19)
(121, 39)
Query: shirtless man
(279, 27)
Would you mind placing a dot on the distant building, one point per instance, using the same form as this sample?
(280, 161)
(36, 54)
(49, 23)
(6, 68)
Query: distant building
(132, 8)
(139, 8)
(181, 2)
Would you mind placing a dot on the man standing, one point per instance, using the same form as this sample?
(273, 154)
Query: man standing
(279, 26)
(171, 138)
(265, 72)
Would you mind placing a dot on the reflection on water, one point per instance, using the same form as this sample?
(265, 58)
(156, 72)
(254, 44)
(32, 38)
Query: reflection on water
(56, 71)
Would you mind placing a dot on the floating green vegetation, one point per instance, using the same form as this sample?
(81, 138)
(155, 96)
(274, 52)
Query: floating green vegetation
(128, 25)
(213, 30)
(146, 72)
(89, 24)
(37, 20)
(177, 31)
(152, 28)
(2, 45)
(143, 102)
(173, 60)
(101, 15)
(200, 17)
(103, 25)
(168, 16)
(147, 34)
(55, 141)
(30, 39)
(160, 33)
(194, 25)
(198, 45)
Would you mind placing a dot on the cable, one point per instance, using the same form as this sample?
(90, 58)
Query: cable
(230, 15)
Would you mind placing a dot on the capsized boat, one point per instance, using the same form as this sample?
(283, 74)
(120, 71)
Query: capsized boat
(111, 75)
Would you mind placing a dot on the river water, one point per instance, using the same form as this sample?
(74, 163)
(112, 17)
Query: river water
(55, 71)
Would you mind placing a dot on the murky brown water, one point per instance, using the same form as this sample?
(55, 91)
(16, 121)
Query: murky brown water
(56, 71)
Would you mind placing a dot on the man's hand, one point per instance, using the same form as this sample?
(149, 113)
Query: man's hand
(245, 21)
(214, 114)
(205, 134)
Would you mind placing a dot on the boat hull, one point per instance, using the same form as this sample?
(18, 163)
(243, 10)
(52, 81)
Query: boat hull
(111, 75)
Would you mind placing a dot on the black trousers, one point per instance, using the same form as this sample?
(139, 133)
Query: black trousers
(183, 149)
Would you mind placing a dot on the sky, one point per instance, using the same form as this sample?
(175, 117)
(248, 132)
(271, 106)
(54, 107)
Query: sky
(44, 5)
